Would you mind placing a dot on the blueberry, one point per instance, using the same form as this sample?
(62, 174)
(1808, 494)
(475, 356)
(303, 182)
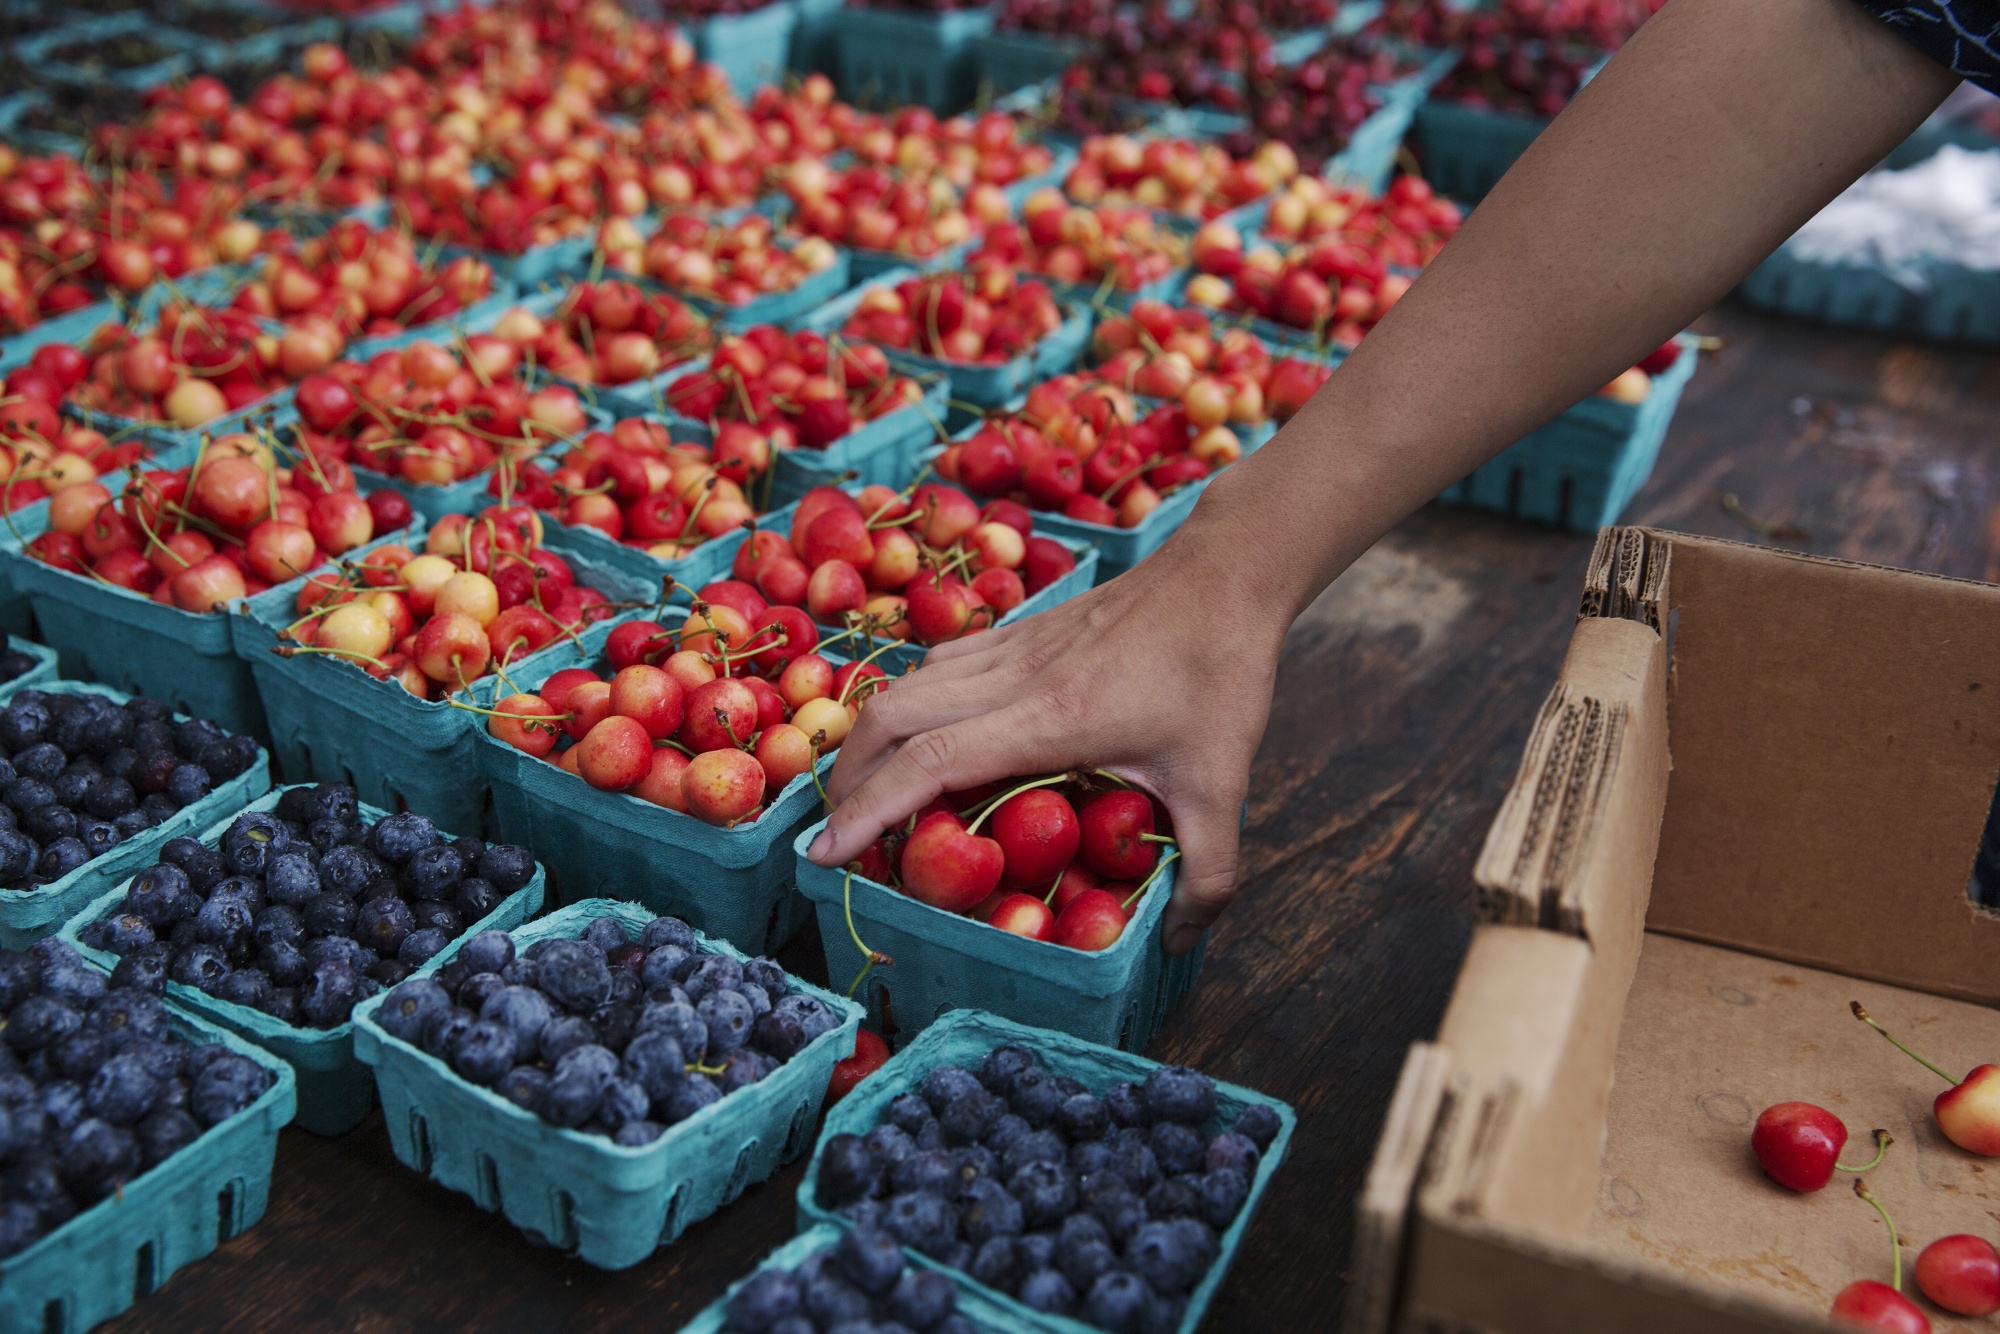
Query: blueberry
(870, 1259)
(97, 1157)
(637, 1135)
(1037, 1146)
(382, 924)
(1047, 1291)
(159, 806)
(475, 991)
(1232, 1149)
(483, 1052)
(129, 825)
(506, 867)
(1259, 1124)
(126, 933)
(323, 836)
(1083, 1262)
(1119, 1302)
(283, 962)
(1177, 1148)
(20, 978)
(1223, 1192)
(476, 899)
(62, 1102)
(275, 924)
(1137, 1165)
(17, 856)
(122, 1090)
(24, 723)
(488, 952)
(575, 976)
(624, 1102)
(933, 1170)
(658, 969)
(282, 1004)
(225, 922)
(43, 762)
(200, 966)
(160, 894)
(605, 933)
(811, 1012)
(418, 947)
(1046, 1191)
(227, 1085)
(728, 1017)
(74, 784)
(35, 1181)
(348, 870)
(142, 970)
(205, 871)
(163, 1133)
(79, 1054)
(922, 1298)
(397, 838)
(990, 1211)
(768, 974)
(667, 931)
(1121, 1212)
(60, 858)
(690, 1096)
(153, 771)
(244, 889)
(765, 1298)
(908, 1112)
(331, 801)
(443, 1027)
(1035, 1097)
(194, 733)
(292, 879)
(522, 1011)
(717, 972)
(1179, 1094)
(434, 872)
(655, 1062)
(890, 1146)
(107, 730)
(328, 915)
(847, 1170)
(524, 1086)
(1004, 1132)
(430, 914)
(110, 798)
(234, 757)
(565, 1034)
(245, 986)
(329, 994)
(615, 1024)
(46, 824)
(188, 784)
(1089, 1157)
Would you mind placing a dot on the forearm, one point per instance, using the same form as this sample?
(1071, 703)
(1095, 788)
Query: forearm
(1719, 129)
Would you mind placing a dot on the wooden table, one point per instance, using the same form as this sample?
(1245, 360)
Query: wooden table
(1403, 699)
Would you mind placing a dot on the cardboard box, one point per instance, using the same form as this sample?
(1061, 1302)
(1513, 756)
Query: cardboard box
(1754, 795)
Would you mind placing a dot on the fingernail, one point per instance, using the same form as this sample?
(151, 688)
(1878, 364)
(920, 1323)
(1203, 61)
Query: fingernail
(822, 847)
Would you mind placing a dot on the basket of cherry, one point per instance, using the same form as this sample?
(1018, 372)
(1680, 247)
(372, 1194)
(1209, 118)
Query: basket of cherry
(138, 589)
(1072, 1186)
(700, 740)
(1039, 901)
(431, 422)
(831, 410)
(617, 342)
(356, 664)
(1101, 254)
(738, 273)
(887, 220)
(991, 332)
(886, 574)
(1191, 181)
(635, 498)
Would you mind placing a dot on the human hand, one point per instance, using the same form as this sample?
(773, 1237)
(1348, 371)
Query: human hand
(1141, 677)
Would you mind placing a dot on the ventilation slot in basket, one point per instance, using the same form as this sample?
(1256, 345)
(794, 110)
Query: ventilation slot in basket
(1565, 495)
(55, 1318)
(565, 1220)
(489, 1180)
(671, 1229)
(799, 1137)
(143, 1276)
(420, 1140)
(226, 1221)
(739, 1176)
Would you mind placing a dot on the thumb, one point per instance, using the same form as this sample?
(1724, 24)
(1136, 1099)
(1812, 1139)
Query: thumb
(1207, 831)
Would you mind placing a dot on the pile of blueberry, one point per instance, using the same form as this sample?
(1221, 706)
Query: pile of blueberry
(604, 1033)
(303, 911)
(84, 773)
(859, 1285)
(15, 663)
(94, 1088)
(1107, 1209)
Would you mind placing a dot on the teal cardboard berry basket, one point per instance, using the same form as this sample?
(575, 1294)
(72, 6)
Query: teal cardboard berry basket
(24, 525)
(977, 383)
(963, 1038)
(944, 962)
(27, 915)
(779, 308)
(751, 48)
(982, 1315)
(608, 1205)
(1005, 62)
(1951, 304)
(178, 61)
(734, 884)
(75, 327)
(892, 56)
(36, 677)
(335, 1091)
(123, 1248)
(333, 722)
(1581, 470)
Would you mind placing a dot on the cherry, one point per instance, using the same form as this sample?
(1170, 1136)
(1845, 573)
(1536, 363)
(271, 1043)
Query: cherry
(510, 722)
(1113, 829)
(871, 1053)
(1799, 1145)
(720, 715)
(1961, 1273)
(949, 867)
(1038, 834)
(650, 697)
(1969, 1112)
(1022, 915)
(723, 786)
(1094, 920)
(635, 641)
(1869, 1304)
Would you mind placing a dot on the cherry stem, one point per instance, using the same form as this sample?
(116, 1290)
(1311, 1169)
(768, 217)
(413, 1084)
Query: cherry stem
(292, 650)
(529, 721)
(1156, 838)
(1895, 1246)
(1882, 1143)
(1869, 1020)
(1050, 897)
(1107, 774)
(722, 721)
(696, 1067)
(818, 740)
(996, 803)
(873, 957)
(1147, 883)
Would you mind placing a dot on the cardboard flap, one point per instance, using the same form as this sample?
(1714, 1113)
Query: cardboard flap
(1572, 847)
(1627, 577)
(1375, 1265)
(1836, 734)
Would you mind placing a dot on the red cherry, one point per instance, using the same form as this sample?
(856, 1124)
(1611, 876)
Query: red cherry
(1798, 1144)
(870, 1054)
(1867, 1304)
(1111, 842)
(1961, 1273)
(947, 867)
(1038, 833)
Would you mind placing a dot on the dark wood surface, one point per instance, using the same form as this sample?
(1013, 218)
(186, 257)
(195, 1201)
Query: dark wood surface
(1403, 699)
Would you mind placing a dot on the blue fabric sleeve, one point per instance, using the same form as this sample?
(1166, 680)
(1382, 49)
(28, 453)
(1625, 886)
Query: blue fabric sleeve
(1961, 35)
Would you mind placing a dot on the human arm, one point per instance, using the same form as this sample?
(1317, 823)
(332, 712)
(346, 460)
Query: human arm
(1717, 130)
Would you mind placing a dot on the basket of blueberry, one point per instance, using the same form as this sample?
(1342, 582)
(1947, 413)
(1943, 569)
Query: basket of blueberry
(133, 1140)
(827, 1278)
(618, 1078)
(277, 921)
(24, 664)
(1067, 1182)
(94, 783)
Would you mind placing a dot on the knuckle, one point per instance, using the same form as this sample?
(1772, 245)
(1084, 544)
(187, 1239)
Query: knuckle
(934, 755)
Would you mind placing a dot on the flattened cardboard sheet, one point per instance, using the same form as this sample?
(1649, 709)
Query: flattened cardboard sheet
(1711, 1037)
